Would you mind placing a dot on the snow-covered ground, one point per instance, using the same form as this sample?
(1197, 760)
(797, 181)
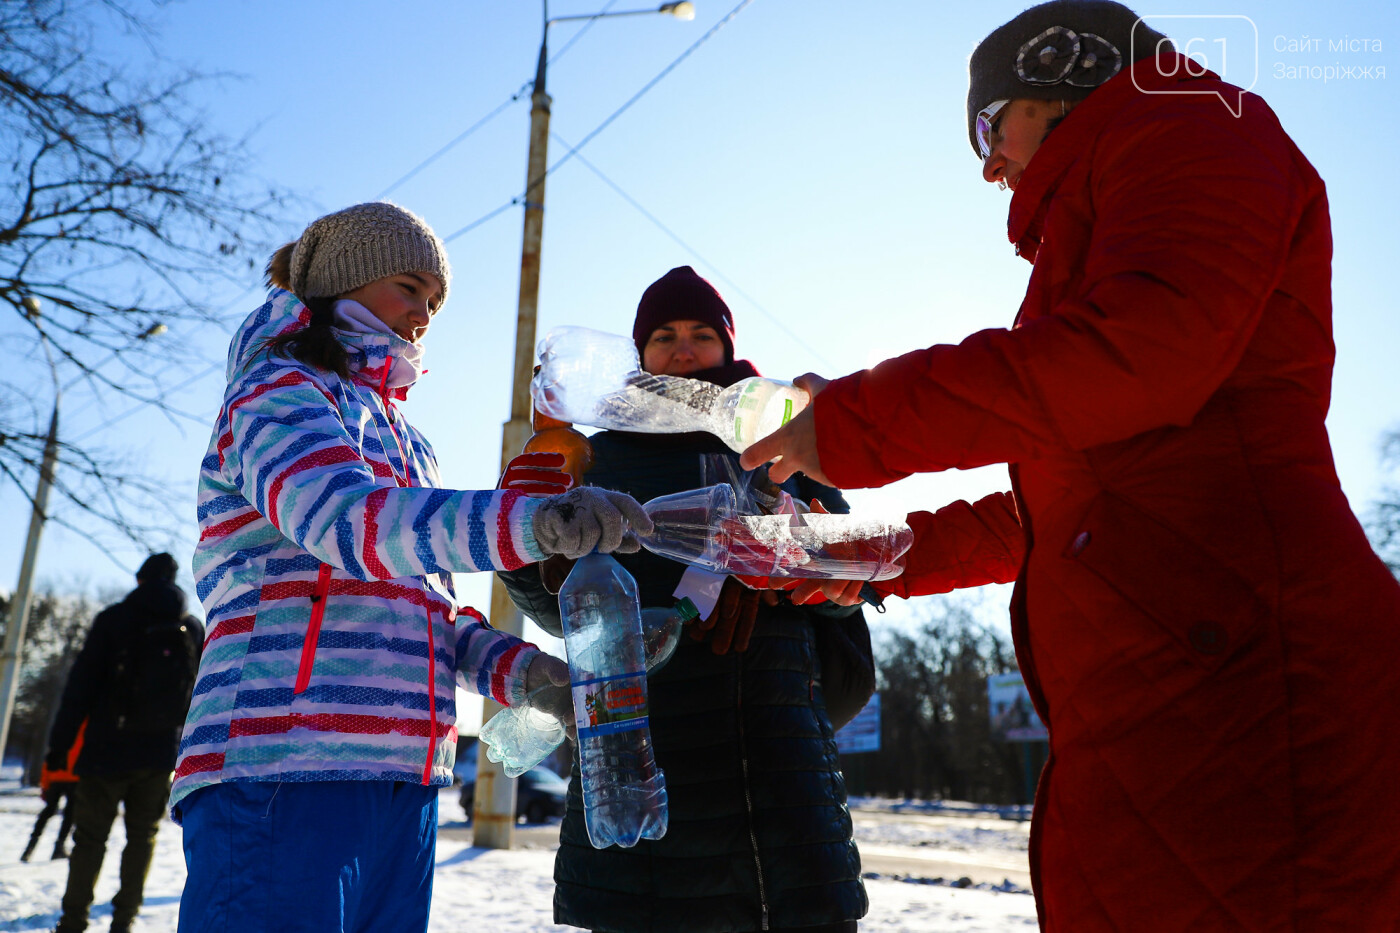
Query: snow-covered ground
(919, 859)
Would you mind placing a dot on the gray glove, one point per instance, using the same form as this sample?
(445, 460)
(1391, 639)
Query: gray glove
(586, 518)
(547, 690)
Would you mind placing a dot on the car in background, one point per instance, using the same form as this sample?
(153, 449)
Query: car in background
(539, 794)
(464, 768)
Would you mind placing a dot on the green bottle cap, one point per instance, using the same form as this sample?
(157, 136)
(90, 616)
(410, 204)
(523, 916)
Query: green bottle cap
(686, 610)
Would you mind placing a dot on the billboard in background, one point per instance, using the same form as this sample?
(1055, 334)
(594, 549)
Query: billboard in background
(1013, 717)
(861, 734)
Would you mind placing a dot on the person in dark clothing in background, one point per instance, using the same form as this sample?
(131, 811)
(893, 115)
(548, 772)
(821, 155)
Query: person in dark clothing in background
(56, 788)
(132, 683)
(743, 716)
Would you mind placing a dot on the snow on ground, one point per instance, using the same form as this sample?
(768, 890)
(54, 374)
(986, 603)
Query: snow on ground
(511, 891)
(966, 834)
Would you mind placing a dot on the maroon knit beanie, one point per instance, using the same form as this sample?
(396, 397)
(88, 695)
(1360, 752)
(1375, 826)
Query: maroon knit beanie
(682, 295)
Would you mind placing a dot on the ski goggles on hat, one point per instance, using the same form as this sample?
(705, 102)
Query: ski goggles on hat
(985, 118)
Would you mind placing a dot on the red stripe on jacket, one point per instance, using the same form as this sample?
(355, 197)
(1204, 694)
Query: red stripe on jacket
(380, 589)
(510, 558)
(498, 678)
(198, 764)
(281, 382)
(230, 526)
(348, 723)
(239, 625)
(374, 502)
(325, 457)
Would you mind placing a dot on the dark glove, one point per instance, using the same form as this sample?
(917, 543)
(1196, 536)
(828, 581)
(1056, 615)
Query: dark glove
(731, 622)
(56, 760)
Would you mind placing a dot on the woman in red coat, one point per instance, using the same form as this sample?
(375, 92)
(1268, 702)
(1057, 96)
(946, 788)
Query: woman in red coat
(1198, 615)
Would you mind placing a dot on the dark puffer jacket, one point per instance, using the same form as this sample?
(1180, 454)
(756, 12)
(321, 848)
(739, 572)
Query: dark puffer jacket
(759, 834)
(95, 692)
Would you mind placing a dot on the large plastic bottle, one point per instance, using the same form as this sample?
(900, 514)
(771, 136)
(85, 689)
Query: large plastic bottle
(624, 792)
(705, 528)
(520, 737)
(589, 377)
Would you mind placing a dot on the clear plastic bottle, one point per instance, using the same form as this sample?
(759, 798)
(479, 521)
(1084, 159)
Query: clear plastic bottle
(520, 737)
(624, 792)
(589, 377)
(704, 528)
(661, 631)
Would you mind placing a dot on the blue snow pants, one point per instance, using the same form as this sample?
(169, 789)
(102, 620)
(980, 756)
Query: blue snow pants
(323, 857)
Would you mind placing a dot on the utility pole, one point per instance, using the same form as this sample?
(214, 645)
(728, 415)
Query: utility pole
(493, 816)
(493, 819)
(19, 606)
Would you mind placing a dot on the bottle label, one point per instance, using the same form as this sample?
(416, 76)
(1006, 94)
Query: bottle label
(748, 402)
(608, 705)
(787, 411)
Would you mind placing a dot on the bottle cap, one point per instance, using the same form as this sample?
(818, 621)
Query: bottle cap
(686, 610)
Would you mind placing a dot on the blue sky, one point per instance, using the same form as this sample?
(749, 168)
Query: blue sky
(812, 155)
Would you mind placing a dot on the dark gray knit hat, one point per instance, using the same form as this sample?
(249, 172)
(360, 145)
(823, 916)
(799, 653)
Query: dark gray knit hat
(158, 567)
(1059, 50)
(342, 251)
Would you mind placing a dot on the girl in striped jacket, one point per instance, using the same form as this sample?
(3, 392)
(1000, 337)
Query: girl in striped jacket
(322, 722)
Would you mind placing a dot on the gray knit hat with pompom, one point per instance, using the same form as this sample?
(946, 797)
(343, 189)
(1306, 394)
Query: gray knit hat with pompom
(340, 252)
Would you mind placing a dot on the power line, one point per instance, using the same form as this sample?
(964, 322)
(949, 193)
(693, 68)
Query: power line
(525, 88)
(718, 273)
(519, 199)
(573, 150)
(579, 35)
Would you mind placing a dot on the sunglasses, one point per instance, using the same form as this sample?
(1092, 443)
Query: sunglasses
(986, 119)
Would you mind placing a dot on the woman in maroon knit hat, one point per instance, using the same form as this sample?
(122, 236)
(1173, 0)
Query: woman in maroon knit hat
(742, 716)
(682, 297)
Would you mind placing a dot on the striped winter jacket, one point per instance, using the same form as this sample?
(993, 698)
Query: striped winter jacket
(324, 565)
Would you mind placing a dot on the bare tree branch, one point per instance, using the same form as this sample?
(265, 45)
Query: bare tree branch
(120, 211)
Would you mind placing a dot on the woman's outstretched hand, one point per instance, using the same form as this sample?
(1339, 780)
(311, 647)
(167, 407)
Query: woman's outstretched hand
(793, 447)
(840, 592)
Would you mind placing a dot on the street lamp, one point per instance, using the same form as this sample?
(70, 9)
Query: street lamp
(493, 823)
(19, 605)
(685, 11)
(11, 654)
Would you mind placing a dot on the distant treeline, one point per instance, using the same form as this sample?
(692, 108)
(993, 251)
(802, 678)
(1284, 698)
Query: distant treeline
(52, 639)
(935, 733)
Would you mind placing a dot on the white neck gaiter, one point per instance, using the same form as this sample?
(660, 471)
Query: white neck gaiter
(406, 367)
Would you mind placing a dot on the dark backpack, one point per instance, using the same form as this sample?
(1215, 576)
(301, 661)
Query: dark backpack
(153, 674)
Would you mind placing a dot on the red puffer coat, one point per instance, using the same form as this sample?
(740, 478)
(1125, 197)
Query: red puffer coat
(1202, 623)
